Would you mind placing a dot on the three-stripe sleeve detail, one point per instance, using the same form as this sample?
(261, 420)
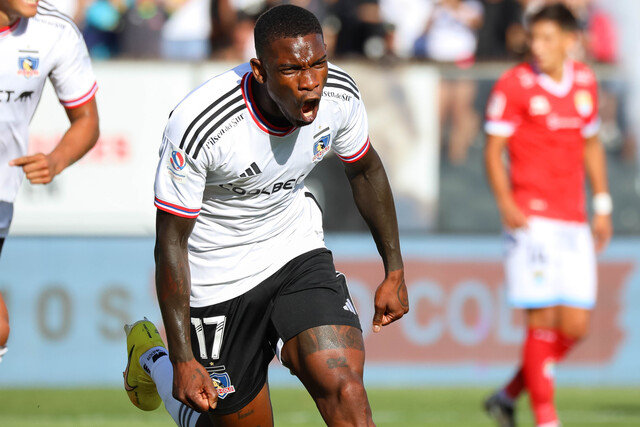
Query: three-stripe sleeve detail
(206, 117)
(341, 80)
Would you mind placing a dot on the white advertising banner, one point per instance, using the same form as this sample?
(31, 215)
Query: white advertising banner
(110, 191)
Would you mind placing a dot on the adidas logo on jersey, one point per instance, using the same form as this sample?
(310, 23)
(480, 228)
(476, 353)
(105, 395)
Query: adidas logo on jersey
(251, 170)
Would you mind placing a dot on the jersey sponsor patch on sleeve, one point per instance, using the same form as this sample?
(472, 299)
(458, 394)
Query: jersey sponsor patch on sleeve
(496, 106)
(176, 163)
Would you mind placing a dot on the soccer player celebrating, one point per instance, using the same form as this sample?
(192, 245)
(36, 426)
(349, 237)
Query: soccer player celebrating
(545, 114)
(36, 42)
(242, 272)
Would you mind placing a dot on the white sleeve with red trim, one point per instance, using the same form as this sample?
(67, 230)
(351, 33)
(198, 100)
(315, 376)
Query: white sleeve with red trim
(72, 76)
(592, 123)
(180, 180)
(503, 114)
(352, 139)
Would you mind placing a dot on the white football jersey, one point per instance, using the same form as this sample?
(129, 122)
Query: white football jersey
(47, 45)
(243, 179)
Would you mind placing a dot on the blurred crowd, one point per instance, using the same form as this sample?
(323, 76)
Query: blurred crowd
(455, 33)
(449, 31)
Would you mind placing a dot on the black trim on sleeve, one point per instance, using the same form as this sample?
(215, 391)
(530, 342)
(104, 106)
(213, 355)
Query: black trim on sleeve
(204, 113)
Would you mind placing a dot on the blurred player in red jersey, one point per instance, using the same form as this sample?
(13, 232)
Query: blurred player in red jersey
(545, 113)
(38, 42)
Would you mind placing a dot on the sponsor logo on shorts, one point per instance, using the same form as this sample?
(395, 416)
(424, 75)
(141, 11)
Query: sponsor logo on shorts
(538, 276)
(28, 66)
(221, 381)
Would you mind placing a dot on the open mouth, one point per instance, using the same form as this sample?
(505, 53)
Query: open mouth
(310, 109)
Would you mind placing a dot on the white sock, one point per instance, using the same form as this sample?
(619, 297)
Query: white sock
(157, 364)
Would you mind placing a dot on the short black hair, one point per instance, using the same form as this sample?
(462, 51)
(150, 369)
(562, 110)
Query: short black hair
(284, 21)
(558, 13)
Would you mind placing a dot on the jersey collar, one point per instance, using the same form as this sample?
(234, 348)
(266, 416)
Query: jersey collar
(5, 31)
(256, 115)
(561, 88)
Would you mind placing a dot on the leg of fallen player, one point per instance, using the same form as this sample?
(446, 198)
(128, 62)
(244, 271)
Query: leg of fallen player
(329, 360)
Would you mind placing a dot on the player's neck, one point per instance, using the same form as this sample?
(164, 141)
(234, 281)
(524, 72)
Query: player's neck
(556, 73)
(5, 21)
(268, 108)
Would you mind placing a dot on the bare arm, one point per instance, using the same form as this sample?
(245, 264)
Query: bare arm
(81, 136)
(596, 169)
(372, 194)
(511, 216)
(191, 382)
(4, 323)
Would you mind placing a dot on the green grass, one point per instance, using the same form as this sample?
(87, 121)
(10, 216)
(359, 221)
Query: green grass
(292, 407)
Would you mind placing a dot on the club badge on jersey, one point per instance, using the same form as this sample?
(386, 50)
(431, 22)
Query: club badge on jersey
(28, 66)
(584, 103)
(321, 147)
(221, 381)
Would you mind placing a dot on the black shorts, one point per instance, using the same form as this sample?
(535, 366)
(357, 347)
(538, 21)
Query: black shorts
(237, 339)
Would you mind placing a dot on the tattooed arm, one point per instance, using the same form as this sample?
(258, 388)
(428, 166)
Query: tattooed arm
(374, 200)
(191, 382)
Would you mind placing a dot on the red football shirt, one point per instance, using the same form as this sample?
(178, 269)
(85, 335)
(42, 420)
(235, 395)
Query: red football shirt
(547, 123)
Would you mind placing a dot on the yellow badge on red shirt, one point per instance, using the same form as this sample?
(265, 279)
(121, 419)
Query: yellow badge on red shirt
(583, 102)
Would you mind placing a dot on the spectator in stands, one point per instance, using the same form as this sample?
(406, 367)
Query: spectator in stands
(362, 31)
(407, 28)
(240, 46)
(451, 32)
(141, 32)
(450, 37)
(502, 34)
(100, 21)
(185, 35)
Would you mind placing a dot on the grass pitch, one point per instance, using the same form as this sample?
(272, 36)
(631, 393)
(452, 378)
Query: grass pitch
(293, 407)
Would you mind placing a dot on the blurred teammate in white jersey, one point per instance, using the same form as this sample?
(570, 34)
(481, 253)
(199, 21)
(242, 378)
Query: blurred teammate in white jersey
(242, 272)
(545, 114)
(36, 42)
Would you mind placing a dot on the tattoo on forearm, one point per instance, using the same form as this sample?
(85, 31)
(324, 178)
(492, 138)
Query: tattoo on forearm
(337, 362)
(403, 295)
(330, 337)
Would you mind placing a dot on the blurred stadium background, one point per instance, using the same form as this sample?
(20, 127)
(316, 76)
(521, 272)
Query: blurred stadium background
(79, 263)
